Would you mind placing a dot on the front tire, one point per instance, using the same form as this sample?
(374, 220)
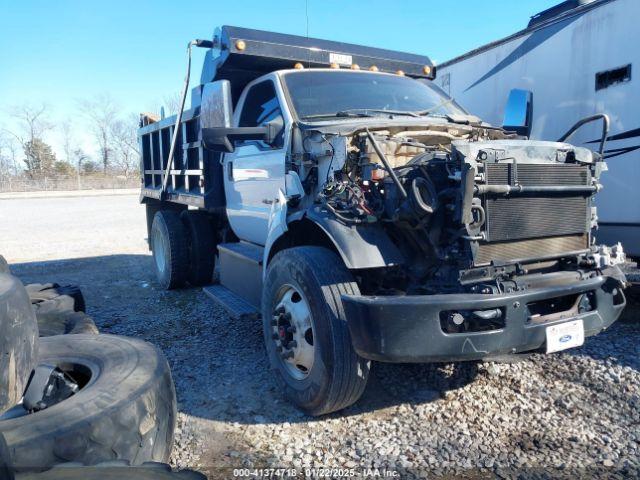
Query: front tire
(306, 333)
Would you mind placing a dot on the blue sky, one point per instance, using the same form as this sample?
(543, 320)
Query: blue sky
(61, 51)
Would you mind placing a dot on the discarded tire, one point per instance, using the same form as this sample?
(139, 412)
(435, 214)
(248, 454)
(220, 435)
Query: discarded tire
(6, 472)
(114, 471)
(170, 249)
(18, 340)
(4, 266)
(60, 309)
(202, 246)
(67, 297)
(54, 323)
(125, 407)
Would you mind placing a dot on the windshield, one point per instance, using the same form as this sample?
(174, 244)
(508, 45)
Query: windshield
(317, 94)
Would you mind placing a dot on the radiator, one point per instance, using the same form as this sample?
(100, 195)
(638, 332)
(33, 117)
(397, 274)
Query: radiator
(519, 217)
(535, 225)
(536, 248)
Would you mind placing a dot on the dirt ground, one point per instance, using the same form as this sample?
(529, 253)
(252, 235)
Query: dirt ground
(411, 417)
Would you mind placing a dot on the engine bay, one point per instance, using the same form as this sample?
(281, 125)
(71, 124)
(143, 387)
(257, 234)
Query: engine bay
(470, 207)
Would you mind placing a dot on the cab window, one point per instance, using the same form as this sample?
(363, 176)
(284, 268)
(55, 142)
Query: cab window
(261, 106)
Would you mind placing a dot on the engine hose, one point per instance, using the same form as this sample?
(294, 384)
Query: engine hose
(386, 164)
(418, 198)
(342, 217)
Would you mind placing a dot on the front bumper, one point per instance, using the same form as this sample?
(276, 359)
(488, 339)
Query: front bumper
(408, 328)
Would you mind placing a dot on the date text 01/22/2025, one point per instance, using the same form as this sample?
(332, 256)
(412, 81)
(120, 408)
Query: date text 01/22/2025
(315, 473)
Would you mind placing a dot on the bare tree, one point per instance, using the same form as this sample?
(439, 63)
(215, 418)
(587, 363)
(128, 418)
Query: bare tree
(8, 155)
(171, 103)
(125, 143)
(33, 123)
(67, 140)
(102, 112)
(81, 159)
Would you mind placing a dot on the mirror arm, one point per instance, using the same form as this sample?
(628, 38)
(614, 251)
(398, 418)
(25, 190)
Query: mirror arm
(605, 129)
(228, 136)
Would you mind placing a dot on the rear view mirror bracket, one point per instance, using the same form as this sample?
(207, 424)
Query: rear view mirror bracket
(222, 139)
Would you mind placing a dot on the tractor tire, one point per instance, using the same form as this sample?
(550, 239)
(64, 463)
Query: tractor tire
(331, 376)
(113, 471)
(18, 340)
(170, 249)
(51, 324)
(68, 297)
(6, 470)
(60, 309)
(4, 266)
(125, 408)
(202, 246)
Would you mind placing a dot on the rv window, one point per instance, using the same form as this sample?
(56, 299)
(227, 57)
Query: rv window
(611, 77)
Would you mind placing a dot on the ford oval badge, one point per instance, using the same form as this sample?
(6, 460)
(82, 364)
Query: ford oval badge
(565, 338)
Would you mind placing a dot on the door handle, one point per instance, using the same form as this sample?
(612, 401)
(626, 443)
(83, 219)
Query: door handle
(230, 171)
(268, 201)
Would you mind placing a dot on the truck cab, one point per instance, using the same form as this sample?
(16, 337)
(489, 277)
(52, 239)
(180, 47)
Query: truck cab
(364, 216)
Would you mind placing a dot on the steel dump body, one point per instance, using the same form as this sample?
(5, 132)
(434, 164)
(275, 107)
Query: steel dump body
(196, 174)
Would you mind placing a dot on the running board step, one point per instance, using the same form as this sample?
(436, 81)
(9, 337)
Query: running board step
(235, 305)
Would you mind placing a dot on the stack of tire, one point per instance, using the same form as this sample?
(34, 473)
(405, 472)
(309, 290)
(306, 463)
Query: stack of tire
(123, 412)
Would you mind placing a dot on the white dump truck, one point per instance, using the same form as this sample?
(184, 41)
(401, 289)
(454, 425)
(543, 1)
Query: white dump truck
(364, 216)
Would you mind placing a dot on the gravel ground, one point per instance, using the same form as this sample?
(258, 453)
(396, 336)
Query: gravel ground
(571, 414)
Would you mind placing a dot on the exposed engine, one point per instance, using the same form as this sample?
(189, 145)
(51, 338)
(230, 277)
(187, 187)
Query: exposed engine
(470, 207)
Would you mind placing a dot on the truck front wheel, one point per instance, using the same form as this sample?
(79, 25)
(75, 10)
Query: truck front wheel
(306, 333)
(170, 249)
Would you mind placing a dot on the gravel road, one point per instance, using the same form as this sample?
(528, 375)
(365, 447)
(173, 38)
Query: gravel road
(571, 414)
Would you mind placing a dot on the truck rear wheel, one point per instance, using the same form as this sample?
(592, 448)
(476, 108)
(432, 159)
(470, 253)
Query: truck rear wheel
(306, 333)
(202, 246)
(170, 249)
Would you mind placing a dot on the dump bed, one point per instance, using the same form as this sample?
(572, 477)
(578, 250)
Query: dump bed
(196, 174)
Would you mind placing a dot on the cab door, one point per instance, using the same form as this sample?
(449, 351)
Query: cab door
(255, 171)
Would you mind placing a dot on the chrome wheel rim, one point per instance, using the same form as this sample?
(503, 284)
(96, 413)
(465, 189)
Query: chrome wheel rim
(292, 331)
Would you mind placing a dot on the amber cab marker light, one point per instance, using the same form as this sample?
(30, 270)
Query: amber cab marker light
(373, 68)
(240, 45)
(400, 72)
(426, 70)
(355, 66)
(334, 65)
(298, 66)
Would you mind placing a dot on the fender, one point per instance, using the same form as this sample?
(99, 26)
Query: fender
(360, 246)
(277, 227)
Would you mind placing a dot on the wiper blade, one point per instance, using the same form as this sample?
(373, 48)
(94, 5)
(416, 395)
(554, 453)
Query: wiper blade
(430, 111)
(367, 112)
(333, 115)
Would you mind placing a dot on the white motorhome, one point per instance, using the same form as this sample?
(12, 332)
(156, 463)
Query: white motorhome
(577, 60)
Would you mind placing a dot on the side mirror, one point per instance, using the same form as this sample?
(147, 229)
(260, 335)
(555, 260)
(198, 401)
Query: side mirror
(215, 105)
(518, 112)
(216, 116)
(221, 139)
